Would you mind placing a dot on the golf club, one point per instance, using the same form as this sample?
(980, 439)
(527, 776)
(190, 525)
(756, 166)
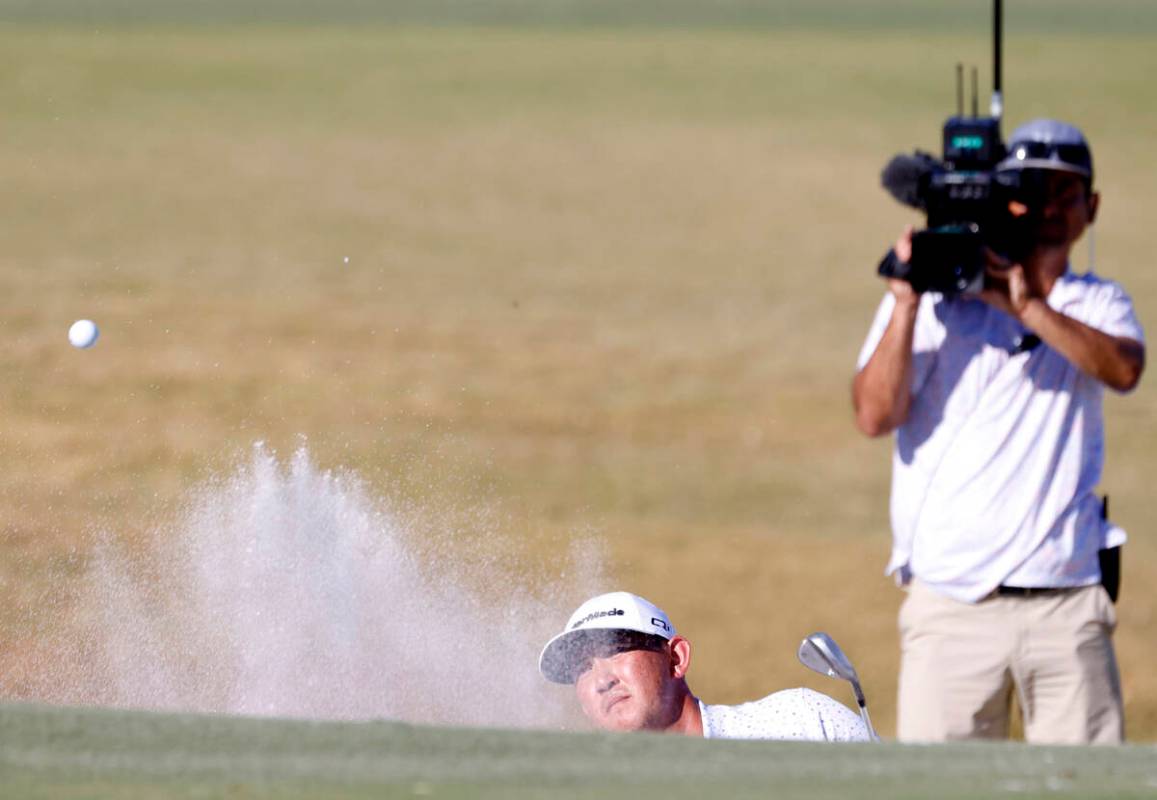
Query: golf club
(819, 652)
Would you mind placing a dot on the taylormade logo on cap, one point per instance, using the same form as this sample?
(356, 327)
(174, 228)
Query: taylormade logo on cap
(621, 611)
(613, 611)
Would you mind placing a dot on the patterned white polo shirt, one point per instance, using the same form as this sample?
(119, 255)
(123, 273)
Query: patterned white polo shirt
(799, 714)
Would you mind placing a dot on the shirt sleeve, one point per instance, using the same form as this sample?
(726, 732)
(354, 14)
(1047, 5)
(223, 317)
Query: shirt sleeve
(927, 336)
(876, 332)
(1116, 316)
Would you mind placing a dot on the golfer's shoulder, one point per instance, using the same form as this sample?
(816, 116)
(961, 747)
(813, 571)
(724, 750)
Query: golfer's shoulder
(799, 714)
(801, 700)
(790, 714)
(824, 717)
(777, 716)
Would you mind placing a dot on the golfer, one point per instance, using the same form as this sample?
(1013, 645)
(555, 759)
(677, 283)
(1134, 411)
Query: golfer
(629, 669)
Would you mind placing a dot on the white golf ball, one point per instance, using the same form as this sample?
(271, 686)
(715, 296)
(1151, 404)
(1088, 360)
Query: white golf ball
(83, 333)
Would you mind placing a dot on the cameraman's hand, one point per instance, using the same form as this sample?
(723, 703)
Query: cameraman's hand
(902, 290)
(1005, 286)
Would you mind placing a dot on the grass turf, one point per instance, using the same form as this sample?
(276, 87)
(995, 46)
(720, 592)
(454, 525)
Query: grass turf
(73, 753)
(1132, 18)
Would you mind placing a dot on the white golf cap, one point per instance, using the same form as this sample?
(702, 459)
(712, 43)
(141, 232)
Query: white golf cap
(614, 611)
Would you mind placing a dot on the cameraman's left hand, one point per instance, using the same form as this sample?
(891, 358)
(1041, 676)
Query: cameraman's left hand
(1005, 286)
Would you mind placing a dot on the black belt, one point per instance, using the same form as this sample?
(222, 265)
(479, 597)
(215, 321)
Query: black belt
(1032, 591)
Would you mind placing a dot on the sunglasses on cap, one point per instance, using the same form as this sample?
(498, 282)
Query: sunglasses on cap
(1047, 154)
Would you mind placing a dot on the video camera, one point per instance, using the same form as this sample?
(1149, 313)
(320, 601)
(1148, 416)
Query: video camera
(970, 205)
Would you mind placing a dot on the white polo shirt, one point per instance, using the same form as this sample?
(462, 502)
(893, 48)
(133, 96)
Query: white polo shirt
(994, 471)
(799, 714)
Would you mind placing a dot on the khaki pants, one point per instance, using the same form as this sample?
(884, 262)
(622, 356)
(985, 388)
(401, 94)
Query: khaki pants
(961, 663)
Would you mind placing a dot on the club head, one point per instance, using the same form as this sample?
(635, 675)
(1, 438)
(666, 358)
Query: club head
(819, 652)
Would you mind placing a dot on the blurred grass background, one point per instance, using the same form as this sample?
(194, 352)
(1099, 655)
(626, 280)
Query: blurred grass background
(608, 269)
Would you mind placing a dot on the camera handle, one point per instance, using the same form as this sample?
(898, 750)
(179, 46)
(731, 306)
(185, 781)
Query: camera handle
(892, 267)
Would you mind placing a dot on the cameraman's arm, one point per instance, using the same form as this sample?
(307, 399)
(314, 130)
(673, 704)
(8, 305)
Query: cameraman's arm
(880, 391)
(1115, 361)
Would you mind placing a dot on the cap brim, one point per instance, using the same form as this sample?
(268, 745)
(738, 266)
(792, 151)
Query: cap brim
(566, 655)
(560, 659)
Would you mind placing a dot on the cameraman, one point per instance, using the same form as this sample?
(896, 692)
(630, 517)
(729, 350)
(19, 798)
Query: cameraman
(996, 403)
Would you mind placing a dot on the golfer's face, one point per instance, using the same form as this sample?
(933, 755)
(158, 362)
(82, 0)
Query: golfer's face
(626, 691)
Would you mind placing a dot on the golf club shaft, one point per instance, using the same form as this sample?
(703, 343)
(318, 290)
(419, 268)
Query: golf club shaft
(859, 693)
(862, 702)
(868, 722)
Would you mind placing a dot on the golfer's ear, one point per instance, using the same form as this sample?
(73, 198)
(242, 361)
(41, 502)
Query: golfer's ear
(1094, 204)
(680, 656)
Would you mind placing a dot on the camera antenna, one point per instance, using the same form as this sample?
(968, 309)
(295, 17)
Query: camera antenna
(959, 89)
(975, 95)
(997, 107)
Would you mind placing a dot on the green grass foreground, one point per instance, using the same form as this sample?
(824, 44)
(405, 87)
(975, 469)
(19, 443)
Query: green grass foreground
(94, 753)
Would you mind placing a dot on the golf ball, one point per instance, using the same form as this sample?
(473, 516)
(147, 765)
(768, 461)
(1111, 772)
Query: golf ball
(83, 333)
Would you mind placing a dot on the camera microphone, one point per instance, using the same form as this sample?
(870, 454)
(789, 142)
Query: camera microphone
(906, 177)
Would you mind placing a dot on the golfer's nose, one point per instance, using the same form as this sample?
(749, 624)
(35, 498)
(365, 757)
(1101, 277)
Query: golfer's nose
(604, 673)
